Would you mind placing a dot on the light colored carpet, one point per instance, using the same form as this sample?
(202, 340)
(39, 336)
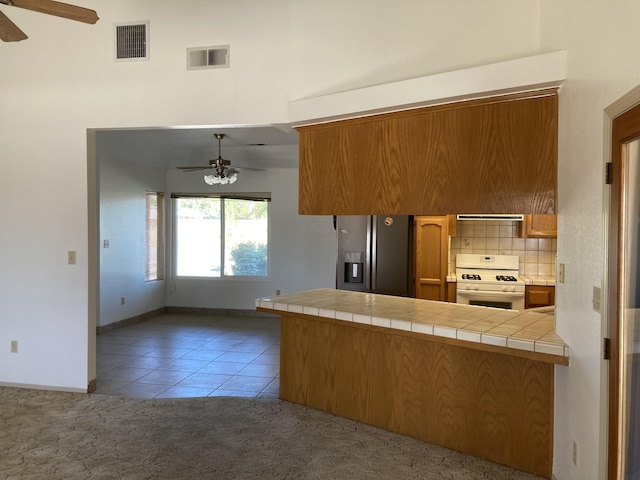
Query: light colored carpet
(57, 435)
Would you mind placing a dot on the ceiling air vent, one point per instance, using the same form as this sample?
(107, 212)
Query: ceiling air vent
(208, 57)
(131, 41)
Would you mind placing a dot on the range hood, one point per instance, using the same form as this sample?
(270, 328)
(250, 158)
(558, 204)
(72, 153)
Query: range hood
(491, 216)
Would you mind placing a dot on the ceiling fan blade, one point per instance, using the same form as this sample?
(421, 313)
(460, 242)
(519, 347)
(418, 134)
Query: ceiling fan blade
(193, 169)
(252, 169)
(9, 31)
(59, 9)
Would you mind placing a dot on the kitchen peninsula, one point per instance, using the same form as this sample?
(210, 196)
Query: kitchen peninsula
(475, 379)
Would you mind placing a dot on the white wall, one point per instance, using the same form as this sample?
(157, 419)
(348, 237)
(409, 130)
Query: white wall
(601, 39)
(122, 223)
(338, 45)
(62, 81)
(302, 248)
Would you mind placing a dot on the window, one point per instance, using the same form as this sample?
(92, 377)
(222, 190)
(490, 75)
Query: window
(222, 236)
(154, 242)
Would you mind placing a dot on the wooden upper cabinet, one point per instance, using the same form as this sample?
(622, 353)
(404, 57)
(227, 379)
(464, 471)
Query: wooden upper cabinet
(495, 155)
(540, 226)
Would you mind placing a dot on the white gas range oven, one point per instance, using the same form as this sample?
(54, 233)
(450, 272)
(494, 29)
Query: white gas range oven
(489, 280)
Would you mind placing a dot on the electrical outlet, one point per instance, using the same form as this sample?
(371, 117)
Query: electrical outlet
(277, 292)
(14, 346)
(575, 453)
(121, 300)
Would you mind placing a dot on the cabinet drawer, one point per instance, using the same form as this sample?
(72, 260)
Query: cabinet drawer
(539, 296)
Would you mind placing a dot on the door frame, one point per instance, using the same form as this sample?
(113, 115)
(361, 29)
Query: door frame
(628, 105)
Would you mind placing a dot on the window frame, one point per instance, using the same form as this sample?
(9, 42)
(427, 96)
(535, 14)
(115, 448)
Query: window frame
(158, 231)
(251, 196)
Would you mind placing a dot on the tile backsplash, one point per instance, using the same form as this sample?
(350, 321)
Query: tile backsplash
(501, 237)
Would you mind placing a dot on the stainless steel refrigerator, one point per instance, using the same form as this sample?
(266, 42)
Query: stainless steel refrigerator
(375, 254)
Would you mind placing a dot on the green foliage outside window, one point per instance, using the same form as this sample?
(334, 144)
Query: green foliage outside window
(249, 258)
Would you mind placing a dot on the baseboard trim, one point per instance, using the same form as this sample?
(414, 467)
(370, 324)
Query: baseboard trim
(30, 386)
(93, 384)
(228, 312)
(130, 321)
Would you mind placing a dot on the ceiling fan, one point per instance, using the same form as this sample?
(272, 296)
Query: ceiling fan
(9, 31)
(223, 171)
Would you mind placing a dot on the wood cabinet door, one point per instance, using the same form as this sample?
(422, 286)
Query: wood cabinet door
(451, 292)
(540, 226)
(435, 160)
(432, 248)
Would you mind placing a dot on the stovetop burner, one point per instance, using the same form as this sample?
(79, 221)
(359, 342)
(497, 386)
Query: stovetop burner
(505, 278)
(471, 276)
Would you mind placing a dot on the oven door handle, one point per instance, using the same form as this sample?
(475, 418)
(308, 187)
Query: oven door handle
(485, 293)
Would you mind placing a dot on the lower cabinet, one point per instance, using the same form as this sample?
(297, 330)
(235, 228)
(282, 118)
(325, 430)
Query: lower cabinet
(539, 296)
(451, 292)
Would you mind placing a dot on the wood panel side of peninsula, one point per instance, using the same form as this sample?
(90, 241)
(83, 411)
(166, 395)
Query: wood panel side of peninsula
(492, 405)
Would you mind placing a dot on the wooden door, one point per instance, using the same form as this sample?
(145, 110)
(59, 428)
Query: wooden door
(624, 291)
(432, 252)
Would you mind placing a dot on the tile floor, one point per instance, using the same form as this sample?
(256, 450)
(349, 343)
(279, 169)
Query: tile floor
(179, 355)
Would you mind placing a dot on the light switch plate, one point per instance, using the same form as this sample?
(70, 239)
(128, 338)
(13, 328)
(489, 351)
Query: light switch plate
(72, 257)
(561, 273)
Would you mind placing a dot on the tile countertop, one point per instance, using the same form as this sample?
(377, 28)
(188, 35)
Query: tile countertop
(538, 280)
(531, 330)
(527, 279)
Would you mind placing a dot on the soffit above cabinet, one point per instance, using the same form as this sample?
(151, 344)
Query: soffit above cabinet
(537, 72)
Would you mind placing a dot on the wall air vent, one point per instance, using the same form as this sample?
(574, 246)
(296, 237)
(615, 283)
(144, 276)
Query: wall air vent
(208, 57)
(131, 41)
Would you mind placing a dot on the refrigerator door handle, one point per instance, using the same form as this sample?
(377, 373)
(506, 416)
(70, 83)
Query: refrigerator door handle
(372, 254)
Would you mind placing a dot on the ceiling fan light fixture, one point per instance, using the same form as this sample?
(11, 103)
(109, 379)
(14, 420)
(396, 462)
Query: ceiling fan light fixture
(210, 179)
(223, 173)
(220, 178)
